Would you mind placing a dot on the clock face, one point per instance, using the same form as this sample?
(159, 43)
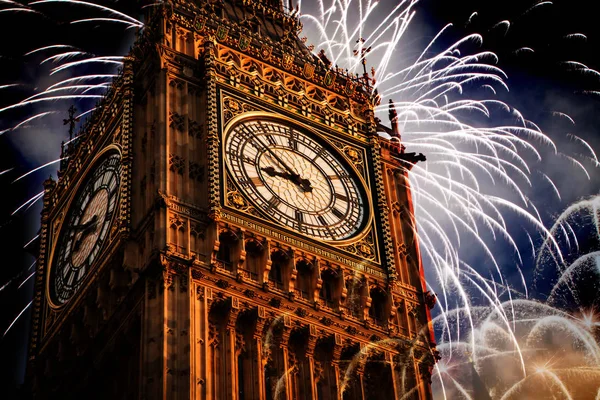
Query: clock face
(85, 228)
(295, 179)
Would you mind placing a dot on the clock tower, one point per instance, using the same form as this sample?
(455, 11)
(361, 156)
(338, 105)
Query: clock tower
(233, 223)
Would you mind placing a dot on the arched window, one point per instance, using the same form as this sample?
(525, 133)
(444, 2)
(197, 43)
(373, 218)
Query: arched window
(304, 279)
(354, 298)
(328, 292)
(227, 245)
(378, 310)
(254, 256)
(277, 273)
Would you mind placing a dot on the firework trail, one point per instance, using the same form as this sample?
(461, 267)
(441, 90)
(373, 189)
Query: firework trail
(478, 174)
(438, 98)
(559, 339)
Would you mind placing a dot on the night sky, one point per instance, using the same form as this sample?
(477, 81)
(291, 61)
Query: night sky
(539, 85)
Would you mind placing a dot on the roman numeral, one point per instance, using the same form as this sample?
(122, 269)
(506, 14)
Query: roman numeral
(271, 140)
(273, 203)
(69, 276)
(249, 137)
(257, 181)
(319, 153)
(293, 143)
(338, 213)
(244, 183)
(341, 197)
(299, 219)
(322, 220)
(249, 160)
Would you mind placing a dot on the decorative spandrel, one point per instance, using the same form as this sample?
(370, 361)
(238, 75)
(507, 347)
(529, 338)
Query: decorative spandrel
(236, 200)
(233, 107)
(365, 248)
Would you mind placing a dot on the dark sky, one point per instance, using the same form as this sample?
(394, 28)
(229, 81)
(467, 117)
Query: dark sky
(539, 84)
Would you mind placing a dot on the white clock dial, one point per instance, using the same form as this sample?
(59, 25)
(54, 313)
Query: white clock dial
(295, 179)
(85, 228)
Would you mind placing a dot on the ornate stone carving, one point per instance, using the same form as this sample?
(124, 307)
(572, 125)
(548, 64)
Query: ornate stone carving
(176, 121)
(169, 282)
(176, 222)
(364, 248)
(197, 274)
(301, 312)
(176, 163)
(412, 308)
(275, 302)
(351, 330)
(222, 283)
(402, 249)
(198, 229)
(430, 299)
(196, 171)
(199, 291)
(213, 336)
(233, 107)
(195, 129)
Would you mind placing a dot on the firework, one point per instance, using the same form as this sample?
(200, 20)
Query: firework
(476, 180)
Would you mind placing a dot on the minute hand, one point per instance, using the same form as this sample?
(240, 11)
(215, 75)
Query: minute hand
(304, 184)
(275, 156)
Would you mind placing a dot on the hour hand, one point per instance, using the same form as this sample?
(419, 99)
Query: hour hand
(88, 228)
(303, 184)
(85, 226)
(271, 171)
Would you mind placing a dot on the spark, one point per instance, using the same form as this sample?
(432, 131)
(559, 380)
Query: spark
(17, 318)
(65, 88)
(31, 241)
(38, 168)
(22, 123)
(86, 112)
(87, 4)
(82, 78)
(63, 56)
(128, 23)
(26, 10)
(100, 59)
(28, 202)
(54, 46)
(53, 98)
(26, 279)
(576, 36)
(9, 85)
(524, 50)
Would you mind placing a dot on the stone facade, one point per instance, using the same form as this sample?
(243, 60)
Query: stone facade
(197, 294)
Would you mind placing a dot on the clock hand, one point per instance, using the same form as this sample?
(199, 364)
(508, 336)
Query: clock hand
(304, 184)
(272, 172)
(293, 177)
(86, 231)
(86, 225)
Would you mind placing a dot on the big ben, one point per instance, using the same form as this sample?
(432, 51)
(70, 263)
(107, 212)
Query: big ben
(234, 223)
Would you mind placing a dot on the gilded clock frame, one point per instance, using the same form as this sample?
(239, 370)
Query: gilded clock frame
(245, 206)
(57, 227)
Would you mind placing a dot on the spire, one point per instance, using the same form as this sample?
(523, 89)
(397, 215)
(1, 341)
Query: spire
(393, 115)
